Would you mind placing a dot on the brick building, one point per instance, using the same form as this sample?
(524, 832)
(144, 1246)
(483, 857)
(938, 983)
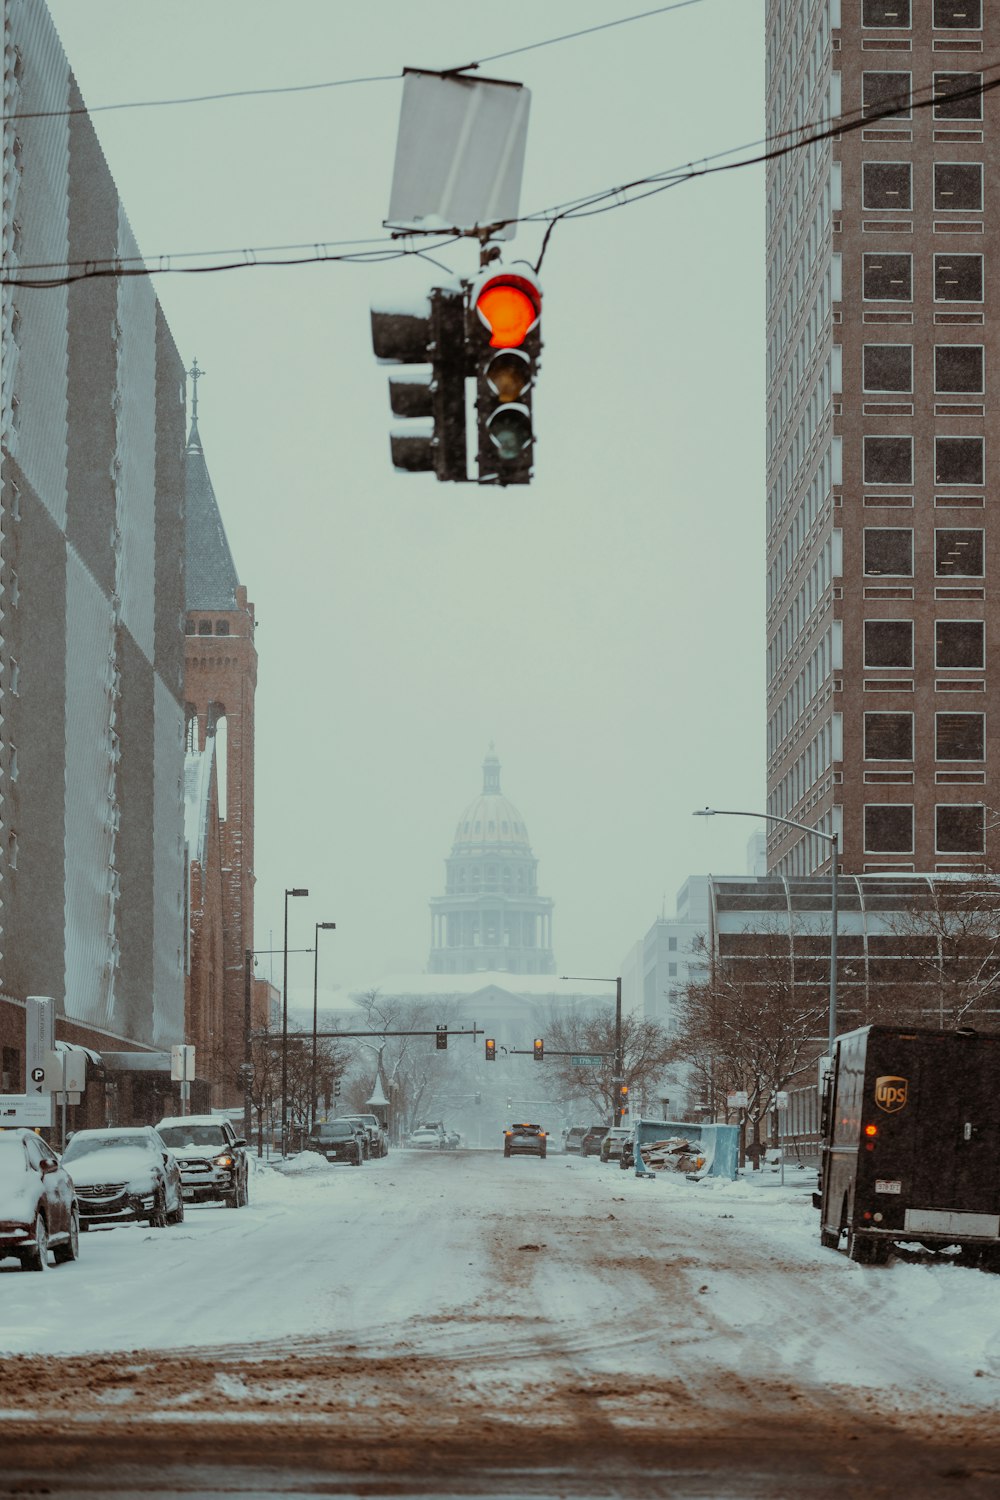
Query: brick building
(220, 678)
(882, 560)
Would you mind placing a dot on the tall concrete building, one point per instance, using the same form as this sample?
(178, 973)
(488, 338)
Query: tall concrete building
(882, 653)
(91, 591)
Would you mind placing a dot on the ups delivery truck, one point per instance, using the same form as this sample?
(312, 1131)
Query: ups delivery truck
(911, 1136)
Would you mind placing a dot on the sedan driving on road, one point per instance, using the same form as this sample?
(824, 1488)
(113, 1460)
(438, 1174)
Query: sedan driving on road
(525, 1140)
(38, 1207)
(122, 1176)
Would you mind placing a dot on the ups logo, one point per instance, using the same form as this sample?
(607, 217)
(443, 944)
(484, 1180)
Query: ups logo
(890, 1093)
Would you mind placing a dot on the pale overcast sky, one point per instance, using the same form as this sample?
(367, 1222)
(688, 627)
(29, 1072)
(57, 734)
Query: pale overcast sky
(604, 626)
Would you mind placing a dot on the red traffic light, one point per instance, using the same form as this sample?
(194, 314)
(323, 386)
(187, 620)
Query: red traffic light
(491, 1050)
(509, 306)
(539, 1048)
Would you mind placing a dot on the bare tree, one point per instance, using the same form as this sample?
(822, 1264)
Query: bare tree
(647, 1049)
(950, 941)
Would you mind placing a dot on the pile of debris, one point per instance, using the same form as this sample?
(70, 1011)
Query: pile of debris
(676, 1154)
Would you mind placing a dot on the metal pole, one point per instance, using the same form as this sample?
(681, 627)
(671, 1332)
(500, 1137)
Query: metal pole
(284, 1037)
(619, 1060)
(64, 1096)
(247, 1047)
(834, 860)
(312, 1075)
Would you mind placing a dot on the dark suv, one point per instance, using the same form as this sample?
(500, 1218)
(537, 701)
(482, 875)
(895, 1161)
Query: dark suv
(211, 1156)
(590, 1145)
(525, 1140)
(338, 1140)
(378, 1141)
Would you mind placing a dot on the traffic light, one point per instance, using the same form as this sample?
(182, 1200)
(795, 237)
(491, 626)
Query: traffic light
(432, 334)
(441, 1040)
(510, 1104)
(336, 1089)
(479, 1097)
(505, 344)
(539, 1048)
(623, 1098)
(491, 1050)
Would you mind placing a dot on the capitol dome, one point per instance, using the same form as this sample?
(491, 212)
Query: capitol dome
(491, 917)
(491, 819)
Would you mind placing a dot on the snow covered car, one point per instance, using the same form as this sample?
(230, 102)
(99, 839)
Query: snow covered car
(525, 1140)
(590, 1145)
(212, 1158)
(614, 1141)
(338, 1140)
(38, 1206)
(431, 1137)
(378, 1141)
(122, 1176)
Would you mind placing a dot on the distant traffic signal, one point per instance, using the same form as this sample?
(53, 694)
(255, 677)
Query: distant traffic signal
(441, 1040)
(336, 1089)
(539, 1048)
(432, 401)
(504, 339)
(491, 1050)
(623, 1098)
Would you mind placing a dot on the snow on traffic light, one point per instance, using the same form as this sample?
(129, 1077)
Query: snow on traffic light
(429, 396)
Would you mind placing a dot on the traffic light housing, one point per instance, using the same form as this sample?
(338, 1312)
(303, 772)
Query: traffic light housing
(336, 1089)
(432, 403)
(505, 345)
(441, 1040)
(539, 1048)
(623, 1098)
(491, 1050)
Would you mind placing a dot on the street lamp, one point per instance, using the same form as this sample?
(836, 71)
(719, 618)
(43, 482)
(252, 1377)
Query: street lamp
(619, 1076)
(320, 927)
(296, 891)
(832, 840)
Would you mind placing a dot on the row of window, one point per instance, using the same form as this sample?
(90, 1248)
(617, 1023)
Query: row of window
(958, 828)
(947, 15)
(959, 552)
(889, 277)
(958, 644)
(957, 460)
(204, 627)
(957, 185)
(889, 736)
(959, 369)
(957, 96)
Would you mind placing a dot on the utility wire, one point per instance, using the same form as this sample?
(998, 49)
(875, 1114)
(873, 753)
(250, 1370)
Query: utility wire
(335, 83)
(603, 201)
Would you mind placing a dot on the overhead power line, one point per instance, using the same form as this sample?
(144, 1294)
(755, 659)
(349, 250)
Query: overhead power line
(604, 200)
(336, 83)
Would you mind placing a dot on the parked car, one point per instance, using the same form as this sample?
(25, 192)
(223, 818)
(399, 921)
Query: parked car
(614, 1141)
(212, 1157)
(39, 1211)
(574, 1136)
(378, 1141)
(430, 1137)
(525, 1140)
(590, 1145)
(452, 1140)
(338, 1140)
(122, 1176)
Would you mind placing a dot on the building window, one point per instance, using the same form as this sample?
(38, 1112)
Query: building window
(888, 829)
(958, 460)
(205, 627)
(888, 367)
(222, 627)
(888, 736)
(888, 643)
(960, 736)
(958, 15)
(888, 551)
(887, 278)
(958, 278)
(958, 554)
(958, 184)
(190, 626)
(672, 945)
(958, 368)
(888, 460)
(959, 643)
(886, 184)
(894, 13)
(672, 971)
(949, 107)
(887, 94)
(960, 829)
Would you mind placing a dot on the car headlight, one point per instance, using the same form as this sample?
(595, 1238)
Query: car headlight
(224, 1161)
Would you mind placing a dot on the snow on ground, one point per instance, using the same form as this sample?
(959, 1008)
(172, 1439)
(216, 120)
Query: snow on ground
(567, 1263)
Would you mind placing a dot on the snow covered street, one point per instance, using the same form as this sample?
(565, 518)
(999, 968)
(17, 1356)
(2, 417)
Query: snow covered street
(429, 1297)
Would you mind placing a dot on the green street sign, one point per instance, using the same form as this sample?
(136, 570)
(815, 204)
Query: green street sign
(586, 1060)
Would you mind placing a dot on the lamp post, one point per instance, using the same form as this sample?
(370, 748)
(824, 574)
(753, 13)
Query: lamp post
(320, 927)
(295, 891)
(833, 841)
(619, 1077)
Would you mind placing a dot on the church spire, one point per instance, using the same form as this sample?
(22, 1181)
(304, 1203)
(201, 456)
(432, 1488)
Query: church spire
(211, 580)
(194, 439)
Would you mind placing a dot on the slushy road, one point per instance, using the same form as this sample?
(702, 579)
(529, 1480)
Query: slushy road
(457, 1324)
